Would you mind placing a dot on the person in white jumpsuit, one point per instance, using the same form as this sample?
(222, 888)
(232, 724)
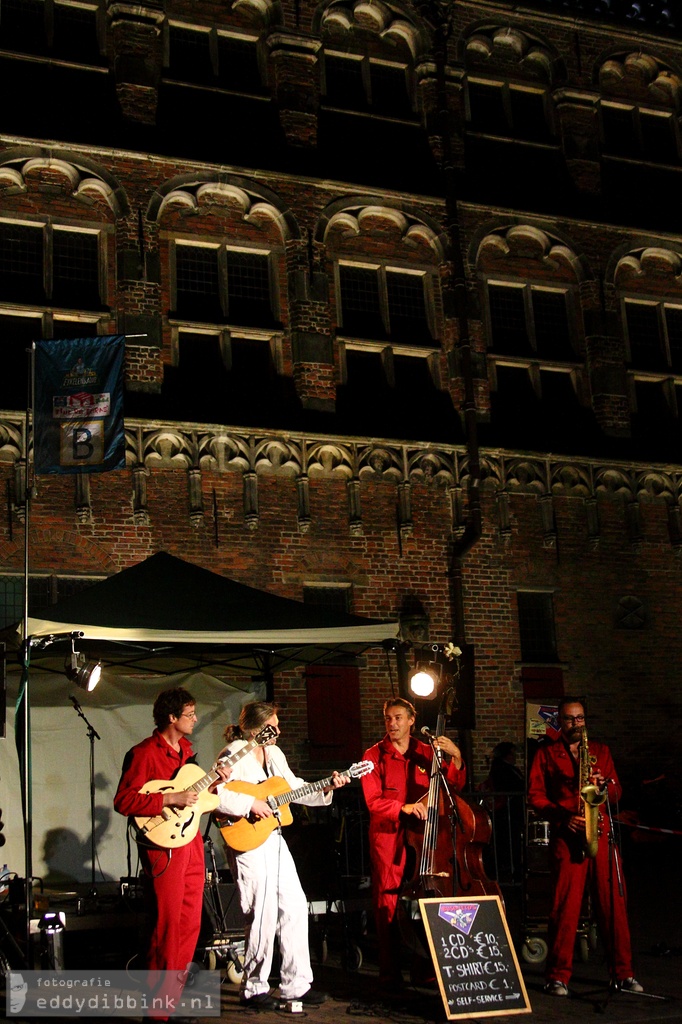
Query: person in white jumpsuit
(271, 895)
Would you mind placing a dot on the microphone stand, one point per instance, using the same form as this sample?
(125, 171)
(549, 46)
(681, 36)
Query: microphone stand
(92, 736)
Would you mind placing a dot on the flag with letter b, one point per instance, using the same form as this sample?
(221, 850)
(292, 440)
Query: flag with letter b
(78, 415)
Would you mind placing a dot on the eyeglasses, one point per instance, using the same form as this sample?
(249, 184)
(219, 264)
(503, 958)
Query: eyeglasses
(573, 718)
(188, 714)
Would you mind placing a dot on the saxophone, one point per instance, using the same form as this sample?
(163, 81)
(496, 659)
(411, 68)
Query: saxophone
(591, 796)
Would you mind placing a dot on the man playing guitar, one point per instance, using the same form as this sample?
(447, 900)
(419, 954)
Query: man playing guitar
(174, 879)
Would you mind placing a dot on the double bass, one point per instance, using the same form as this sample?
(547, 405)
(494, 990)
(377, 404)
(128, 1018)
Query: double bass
(445, 851)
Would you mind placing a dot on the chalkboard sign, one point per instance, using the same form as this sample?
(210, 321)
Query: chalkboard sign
(471, 948)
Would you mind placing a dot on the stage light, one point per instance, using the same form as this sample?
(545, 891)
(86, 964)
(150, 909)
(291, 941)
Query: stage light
(81, 671)
(424, 680)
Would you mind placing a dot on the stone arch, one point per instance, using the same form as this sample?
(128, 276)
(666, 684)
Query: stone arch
(640, 78)
(411, 227)
(82, 178)
(507, 48)
(391, 21)
(206, 190)
(261, 13)
(527, 250)
(651, 267)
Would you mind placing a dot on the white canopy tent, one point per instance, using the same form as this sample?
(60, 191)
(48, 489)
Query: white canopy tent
(161, 623)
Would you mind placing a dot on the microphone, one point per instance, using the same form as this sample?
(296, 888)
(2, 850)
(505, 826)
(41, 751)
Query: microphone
(425, 731)
(75, 702)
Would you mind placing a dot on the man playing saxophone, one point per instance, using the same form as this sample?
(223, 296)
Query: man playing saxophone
(568, 784)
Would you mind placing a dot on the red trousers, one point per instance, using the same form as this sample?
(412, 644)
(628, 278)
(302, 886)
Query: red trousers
(569, 875)
(176, 879)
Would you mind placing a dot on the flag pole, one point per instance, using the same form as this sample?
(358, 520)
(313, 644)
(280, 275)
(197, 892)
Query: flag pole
(23, 707)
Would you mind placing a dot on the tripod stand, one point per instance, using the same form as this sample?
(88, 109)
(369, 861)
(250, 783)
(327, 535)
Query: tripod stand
(92, 736)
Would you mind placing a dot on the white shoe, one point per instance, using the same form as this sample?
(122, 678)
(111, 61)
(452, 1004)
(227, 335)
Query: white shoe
(630, 985)
(556, 988)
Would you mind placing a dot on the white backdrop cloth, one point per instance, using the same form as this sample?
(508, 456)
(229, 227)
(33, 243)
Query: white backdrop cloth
(120, 710)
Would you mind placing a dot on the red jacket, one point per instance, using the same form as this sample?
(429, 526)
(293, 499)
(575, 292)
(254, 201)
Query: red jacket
(151, 759)
(400, 779)
(553, 779)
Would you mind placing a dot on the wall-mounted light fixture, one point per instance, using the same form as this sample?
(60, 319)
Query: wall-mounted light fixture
(424, 680)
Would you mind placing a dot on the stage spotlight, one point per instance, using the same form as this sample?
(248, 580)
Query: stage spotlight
(81, 671)
(424, 679)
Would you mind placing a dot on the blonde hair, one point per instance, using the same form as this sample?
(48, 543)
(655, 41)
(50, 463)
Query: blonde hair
(253, 715)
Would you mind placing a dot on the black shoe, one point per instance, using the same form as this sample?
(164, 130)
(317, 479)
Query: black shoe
(263, 1001)
(313, 997)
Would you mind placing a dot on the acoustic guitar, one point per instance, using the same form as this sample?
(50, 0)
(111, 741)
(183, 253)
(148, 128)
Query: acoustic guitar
(242, 834)
(177, 826)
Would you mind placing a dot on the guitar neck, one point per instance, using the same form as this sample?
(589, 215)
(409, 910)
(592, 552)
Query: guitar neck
(303, 791)
(210, 777)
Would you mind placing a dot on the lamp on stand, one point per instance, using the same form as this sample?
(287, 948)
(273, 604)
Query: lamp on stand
(86, 675)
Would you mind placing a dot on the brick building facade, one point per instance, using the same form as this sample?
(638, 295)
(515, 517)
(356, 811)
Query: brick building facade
(402, 285)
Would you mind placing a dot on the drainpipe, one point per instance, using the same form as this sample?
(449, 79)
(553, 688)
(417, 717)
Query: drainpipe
(438, 16)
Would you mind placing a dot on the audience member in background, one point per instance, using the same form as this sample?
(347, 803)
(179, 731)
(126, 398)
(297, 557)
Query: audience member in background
(503, 858)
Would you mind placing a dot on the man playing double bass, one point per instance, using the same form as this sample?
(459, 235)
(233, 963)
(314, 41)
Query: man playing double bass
(554, 786)
(393, 792)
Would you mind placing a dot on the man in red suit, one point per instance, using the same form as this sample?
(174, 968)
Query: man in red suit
(393, 791)
(174, 878)
(554, 793)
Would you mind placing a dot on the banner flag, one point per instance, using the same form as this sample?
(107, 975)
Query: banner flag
(78, 415)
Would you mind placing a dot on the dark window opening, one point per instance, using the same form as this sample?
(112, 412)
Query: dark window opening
(362, 85)
(500, 110)
(407, 308)
(203, 387)
(21, 263)
(16, 335)
(414, 407)
(619, 132)
(360, 304)
(202, 296)
(528, 115)
(22, 26)
(43, 591)
(75, 34)
(248, 289)
(646, 351)
(656, 431)
(238, 67)
(673, 319)
(189, 55)
(639, 134)
(202, 369)
(76, 269)
(536, 626)
(197, 288)
(508, 321)
(390, 97)
(486, 105)
(344, 83)
(658, 139)
(552, 332)
(63, 31)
